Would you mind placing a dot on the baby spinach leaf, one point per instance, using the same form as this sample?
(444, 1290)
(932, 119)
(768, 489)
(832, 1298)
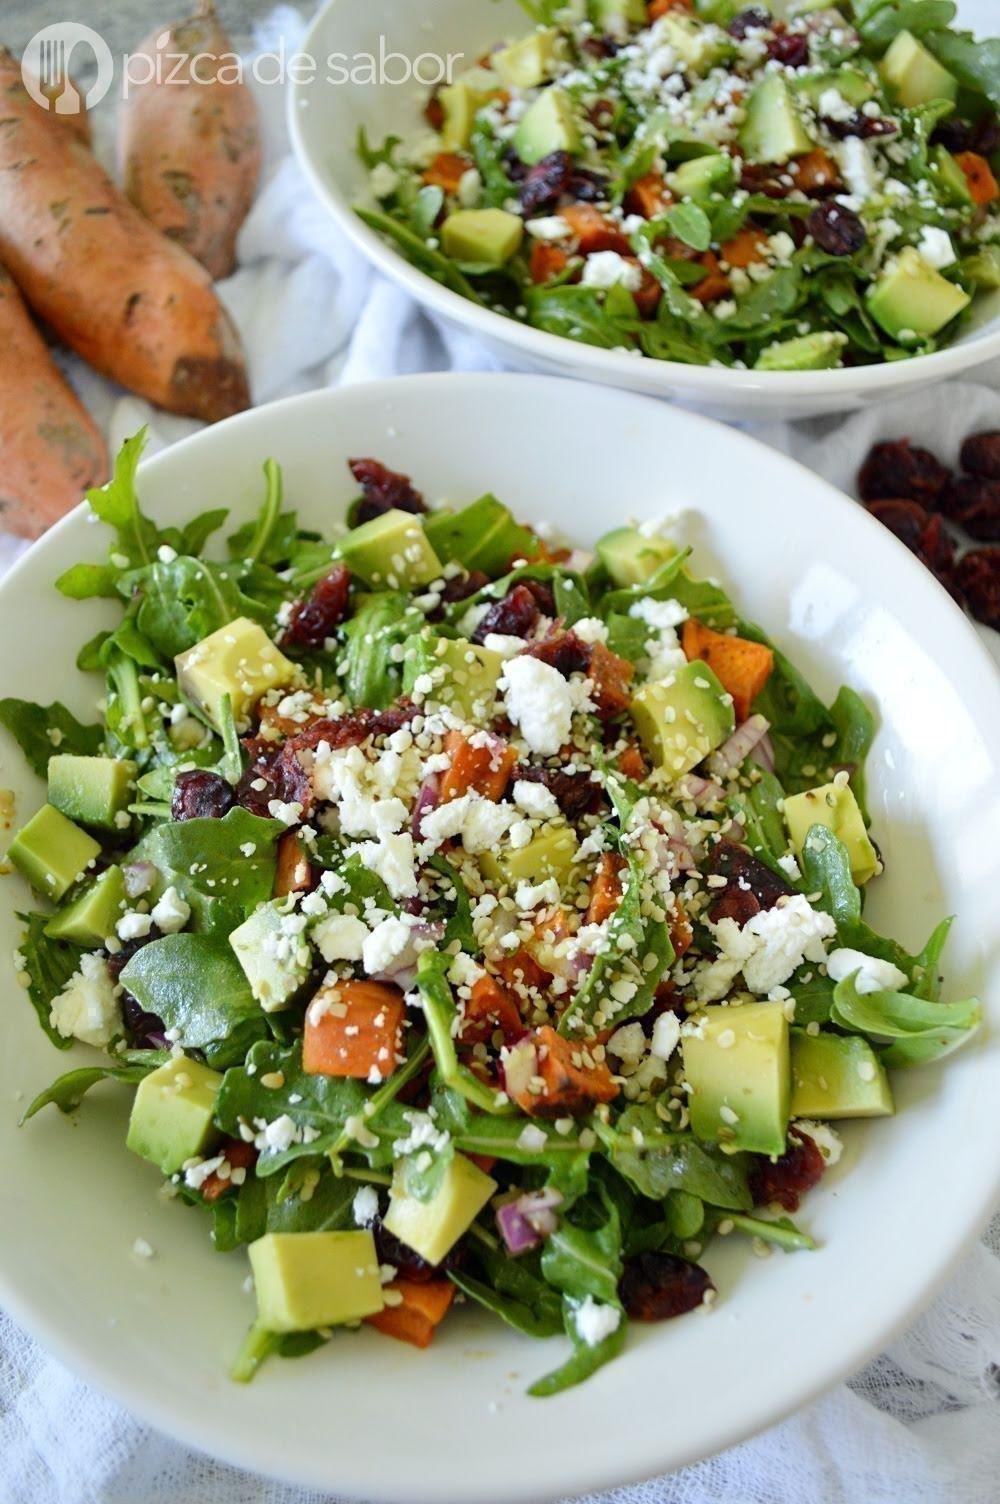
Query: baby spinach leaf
(585, 1265)
(69, 1090)
(974, 61)
(48, 964)
(690, 224)
(324, 1106)
(227, 863)
(916, 1030)
(580, 313)
(195, 984)
(666, 1162)
(826, 869)
(759, 810)
(43, 730)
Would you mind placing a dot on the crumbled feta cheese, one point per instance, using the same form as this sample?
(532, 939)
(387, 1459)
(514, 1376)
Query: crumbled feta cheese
(550, 227)
(535, 799)
(595, 1321)
(134, 926)
(608, 268)
(365, 1205)
(539, 702)
(499, 642)
(666, 1036)
(826, 1139)
(528, 896)
(833, 106)
(870, 974)
(392, 860)
(389, 946)
(768, 949)
(470, 186)
(170, 912)
(858, 165)
(790, 867)
(628, 1044)
(87, 1008)
(340, 937)
(591, 629)
(936, 248)
(478, 821)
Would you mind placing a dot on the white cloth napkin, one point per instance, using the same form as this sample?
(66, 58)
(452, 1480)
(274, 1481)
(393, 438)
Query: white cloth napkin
(922, 1423)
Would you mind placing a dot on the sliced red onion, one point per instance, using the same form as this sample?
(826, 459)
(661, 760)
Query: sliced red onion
(139, 878)
(734, 752)
(428, 798)
(403, 970)
(525, 1222)
(693, 789)
(672, 848)
(763, 753)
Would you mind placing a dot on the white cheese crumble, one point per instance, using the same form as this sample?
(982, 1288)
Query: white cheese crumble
(389, 946)
(870, 974)
(170, 913)
(392, 860)
(608, 269)
(591, 629)
(535, 799)
(936, 248)
(87, 1008)
(826, 1139)
(529, 896)
(550, 227)
(666, 1036)
(365, 1205)
(768, 949)
(539, 701)
(340, 937)
(595, 1321)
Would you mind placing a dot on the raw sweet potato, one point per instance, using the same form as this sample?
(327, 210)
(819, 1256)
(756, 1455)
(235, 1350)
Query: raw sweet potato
(51, 450)
(741, 666)
(982, 184)
(356, 1034)
(421, 1307)
(14, 96)
(136, 306)
(190, 147)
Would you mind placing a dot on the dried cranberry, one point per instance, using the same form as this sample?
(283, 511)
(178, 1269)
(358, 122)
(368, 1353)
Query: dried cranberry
(563, 651)
(751, 19)
(599, 47)
(657, 1286)
(407, 1263)
(274, 773)
(575, 793)
(985, 138)
(544, 596)
(352, 729)
(977, 576)
(756, 177)
(787, 1179)
(974, 503)
(750, 885)
(314, 618)
(514, 616)
(459, 588)
(865, 127)
(144, 1031)
(981, 455)
(587, 186)
(201, 795)
(954, 134)
(119, 959)
(434, 112)
(384, 490)
(790, 48)
(836, 230)
(898, 468)
(544, 182)
(515, 169)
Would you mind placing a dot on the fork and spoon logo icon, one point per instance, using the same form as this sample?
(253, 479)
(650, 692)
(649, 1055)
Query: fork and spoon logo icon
(46, 64)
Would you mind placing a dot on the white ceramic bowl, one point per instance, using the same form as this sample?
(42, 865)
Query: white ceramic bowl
(324, 120)
(372, 1418)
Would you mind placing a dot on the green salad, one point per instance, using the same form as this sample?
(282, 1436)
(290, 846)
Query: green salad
(793, 189)
(470, 918)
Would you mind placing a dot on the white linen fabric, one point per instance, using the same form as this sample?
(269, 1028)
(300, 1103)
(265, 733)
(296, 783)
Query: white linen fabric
(922, 1423)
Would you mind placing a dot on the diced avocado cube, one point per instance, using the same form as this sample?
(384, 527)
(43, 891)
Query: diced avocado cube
(239, 660)
(529, 62)
(836, 808)
(819, 351)
(699, 47)
(484, 237)
(630, 557)
(390, 551)
(94, 790)
(172, 1114)
(51, 852)
(274, 953)
(547, 125)
(615, 16)
(949, 177)
(912, 297)
(303, 1280)
(850, 83)
(482, 535)
(463, 675)
(432, 1228)
(736, 1063)
(984, 267)
(92, 917)
(551, 853)
(773, 130)
(837, 1076)
(700, 177)
(460, 102)
(683, 718)
(914, 75)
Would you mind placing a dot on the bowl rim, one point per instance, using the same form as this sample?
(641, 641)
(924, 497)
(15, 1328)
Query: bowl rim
(597, 364)
(199, 1431)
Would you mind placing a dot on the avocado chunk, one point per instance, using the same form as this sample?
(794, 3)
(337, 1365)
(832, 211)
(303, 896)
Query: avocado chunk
(949, 177)
(463, 675)
(51, 852)
(275, 956)
(912, 297)
(630, 557)
(482, 237)
(303, 1280)
(432, 1228)
(529, 62)
(613, 17)
(850, 83)
(984, 267)
(700, 177)
(808, 352)
(773, 130)
(836, 808)
(546, 126)
(390, 551)
(171, 1118)
(482, 535)
(239, 660)
(736, 1063)
(698, 47)
(550, 853)
(91, 917)
(837, 1076)
(460, 102)
(684, 717)
(914, 75)
(94, 790)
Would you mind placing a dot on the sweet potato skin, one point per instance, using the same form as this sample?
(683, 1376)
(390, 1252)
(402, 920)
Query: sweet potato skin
(133, 304)
(51, 450)
(14, 96)
(190, 151)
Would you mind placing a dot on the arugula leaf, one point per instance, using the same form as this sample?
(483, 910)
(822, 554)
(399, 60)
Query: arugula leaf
(48, 964)
(759, 810)
(488, 153)
(975, 62)
(370, 155)
(321, 1203)
(918, 1030)
(661, 586)
(826, 869)
(458, 907)
(580, 313)
(585, 1265)
(195, 984)
(84, 582)
(117, 504)
(690, 224)
(667, 1162)
(880, 21)
(520, 1299)
(270, 513)
(778, 1230)
(216, 865)
(181, 601)
(43, 730)
(441, 1015)
(69, 1090)
(417, 251)
(196, 533)
(378, 624)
